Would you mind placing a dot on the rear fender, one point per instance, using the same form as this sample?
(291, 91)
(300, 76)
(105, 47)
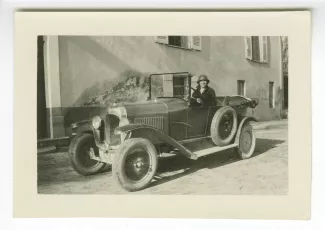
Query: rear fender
(244, 121)
(155, 136)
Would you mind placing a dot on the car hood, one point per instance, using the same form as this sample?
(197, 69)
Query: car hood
(158, 106)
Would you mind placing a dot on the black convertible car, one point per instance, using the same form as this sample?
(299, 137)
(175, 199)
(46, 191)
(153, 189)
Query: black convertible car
(131, 137)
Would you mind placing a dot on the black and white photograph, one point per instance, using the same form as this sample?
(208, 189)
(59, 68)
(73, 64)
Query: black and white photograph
(162, 115)
(198, 115)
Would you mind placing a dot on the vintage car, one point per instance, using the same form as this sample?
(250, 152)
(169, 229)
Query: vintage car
(131, 137)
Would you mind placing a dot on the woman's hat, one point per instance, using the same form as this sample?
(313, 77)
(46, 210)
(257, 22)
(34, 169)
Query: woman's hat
(203, 78)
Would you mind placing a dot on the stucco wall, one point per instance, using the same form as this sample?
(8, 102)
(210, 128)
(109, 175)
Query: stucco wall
(92, 65)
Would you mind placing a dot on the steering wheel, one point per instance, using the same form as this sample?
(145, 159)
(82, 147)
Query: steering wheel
(201, 104)
(190, 95)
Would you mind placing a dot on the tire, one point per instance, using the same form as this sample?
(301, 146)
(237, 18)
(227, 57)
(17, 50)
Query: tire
(247, 142)
(223, 126)
(135, 164)
(79, 158)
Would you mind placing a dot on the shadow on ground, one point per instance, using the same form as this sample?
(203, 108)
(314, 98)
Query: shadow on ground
(186, 166)
(56, 167)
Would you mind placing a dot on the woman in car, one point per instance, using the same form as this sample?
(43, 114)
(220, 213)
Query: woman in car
(203, 94)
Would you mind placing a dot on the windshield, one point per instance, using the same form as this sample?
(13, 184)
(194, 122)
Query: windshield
(170, 85)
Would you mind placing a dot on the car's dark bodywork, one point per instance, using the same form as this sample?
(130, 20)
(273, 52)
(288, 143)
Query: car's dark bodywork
(168, 122)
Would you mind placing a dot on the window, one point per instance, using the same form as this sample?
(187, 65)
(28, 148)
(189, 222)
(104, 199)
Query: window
(177, 41)
(241, 87)
(256, 48)
(271, 94)
(185, 42)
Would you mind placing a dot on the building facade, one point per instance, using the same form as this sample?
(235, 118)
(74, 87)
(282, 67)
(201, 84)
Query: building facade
(77, 74)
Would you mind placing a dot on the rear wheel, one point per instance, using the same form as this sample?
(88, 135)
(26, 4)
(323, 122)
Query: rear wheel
(247, 142)
(224, 126)
(79, 155)
(135, 164)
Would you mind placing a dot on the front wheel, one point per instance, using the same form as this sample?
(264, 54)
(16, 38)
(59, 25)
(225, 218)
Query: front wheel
(79, 155)
(135, 164)
(247, 142)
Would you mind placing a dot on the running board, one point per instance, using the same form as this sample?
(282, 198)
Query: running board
(193, 140)
(212, 150)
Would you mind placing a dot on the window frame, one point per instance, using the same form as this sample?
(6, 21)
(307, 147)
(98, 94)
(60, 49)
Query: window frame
(190, 45)
(263, 49)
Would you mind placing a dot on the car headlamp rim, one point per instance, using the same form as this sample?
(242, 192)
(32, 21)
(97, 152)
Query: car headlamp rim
(96, 122)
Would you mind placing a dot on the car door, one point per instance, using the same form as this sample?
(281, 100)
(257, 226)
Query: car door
(178, 124)
(197, 117)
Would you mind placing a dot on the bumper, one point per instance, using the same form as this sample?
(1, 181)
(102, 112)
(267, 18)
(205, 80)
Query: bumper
(105, 156)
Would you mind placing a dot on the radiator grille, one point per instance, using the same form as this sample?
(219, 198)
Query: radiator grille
(156, 122)
(112, 123)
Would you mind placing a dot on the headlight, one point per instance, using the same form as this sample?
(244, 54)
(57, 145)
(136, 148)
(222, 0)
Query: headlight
(97, 121)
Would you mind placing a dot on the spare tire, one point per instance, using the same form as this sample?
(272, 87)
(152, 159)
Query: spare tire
(223, 126)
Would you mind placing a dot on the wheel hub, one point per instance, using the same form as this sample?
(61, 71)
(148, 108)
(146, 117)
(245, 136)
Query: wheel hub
(137, 165)
(85, 156)
(246, 141)
(225, 126)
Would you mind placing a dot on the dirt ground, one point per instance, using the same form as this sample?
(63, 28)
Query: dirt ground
(266, 173)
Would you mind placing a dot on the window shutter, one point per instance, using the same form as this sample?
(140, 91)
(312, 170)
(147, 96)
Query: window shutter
(263, 49)
(161, 39)
(168, 90)
(185, 42)
(196, 42)
(248, 47)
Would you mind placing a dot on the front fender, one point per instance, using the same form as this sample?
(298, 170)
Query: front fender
(130, 127)
(81, 127)
(241, 124)
(156, 133)
(85, 126)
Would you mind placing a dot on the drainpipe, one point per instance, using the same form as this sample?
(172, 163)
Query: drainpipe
(281, 80)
